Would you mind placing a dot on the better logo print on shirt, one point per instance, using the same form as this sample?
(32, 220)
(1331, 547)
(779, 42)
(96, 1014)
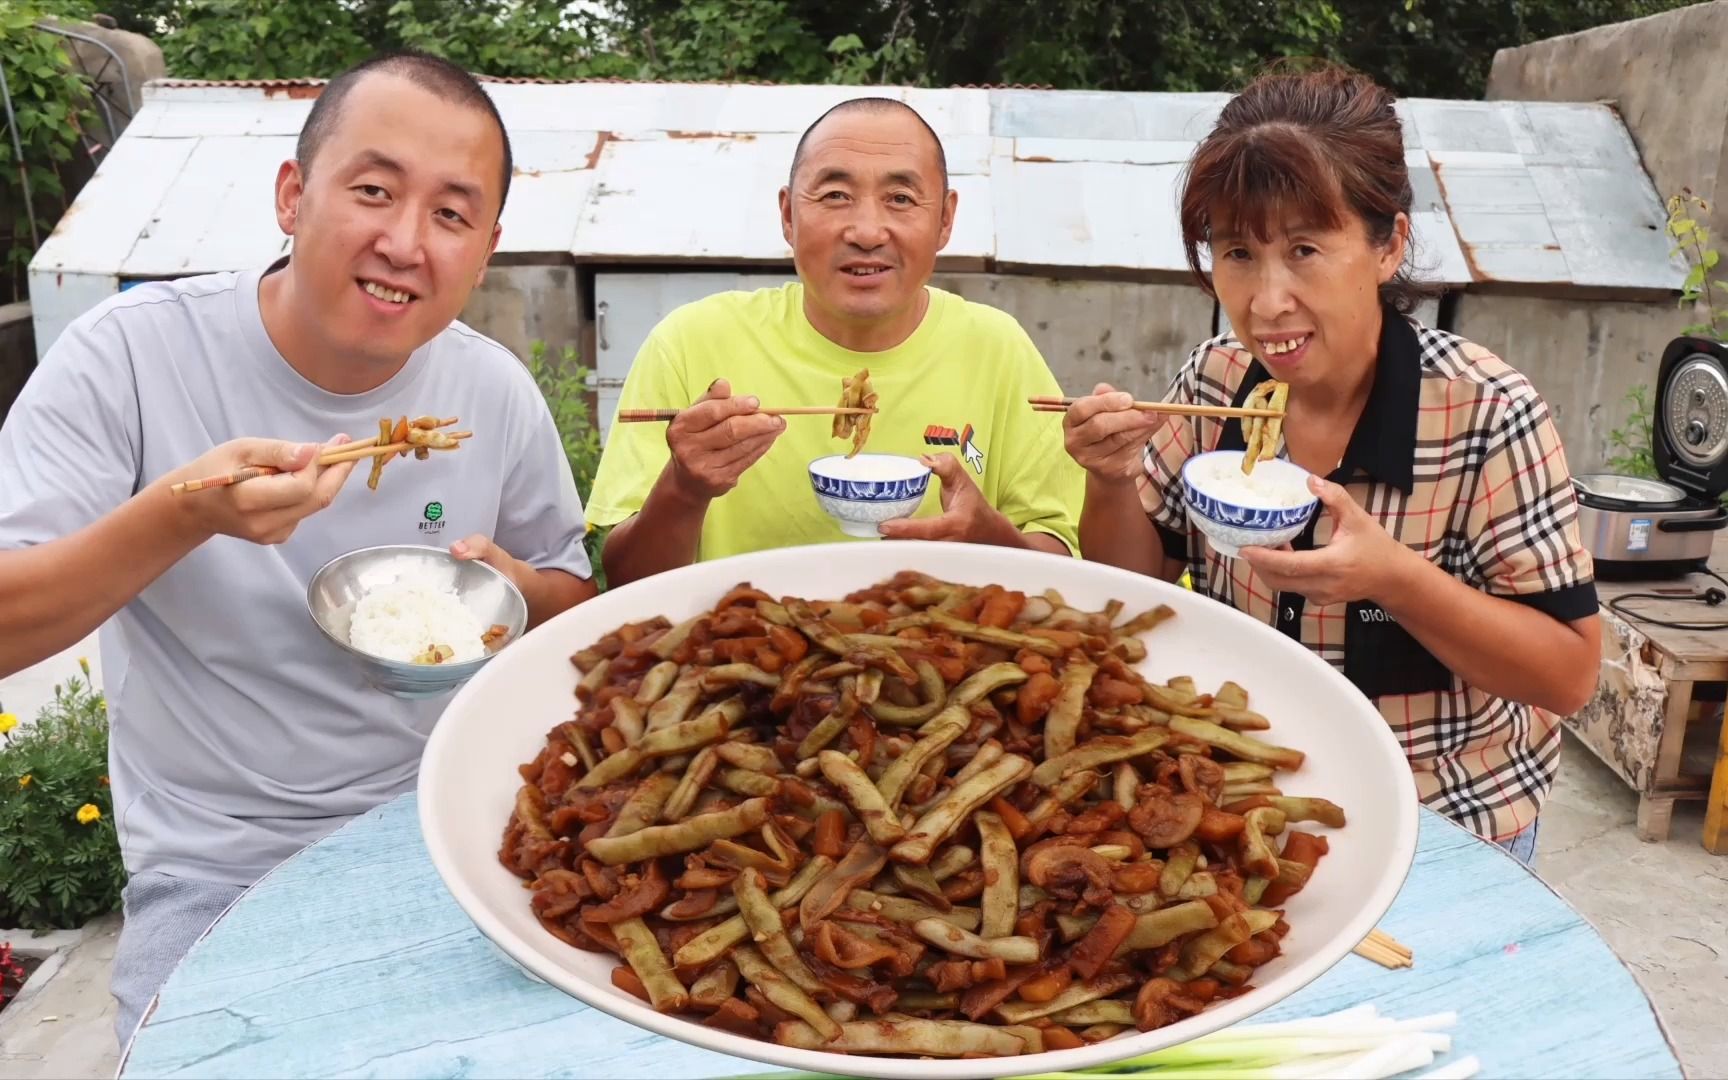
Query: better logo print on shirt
(434, 515)
(936, 435)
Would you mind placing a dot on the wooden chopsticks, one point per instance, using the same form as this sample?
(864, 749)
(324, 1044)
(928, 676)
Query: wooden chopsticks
(1171, 408)
(1385, 950)
(357, 450)
(649, 416)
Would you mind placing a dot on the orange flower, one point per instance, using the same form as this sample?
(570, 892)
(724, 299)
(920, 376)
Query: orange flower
(88, 813)
(24, 781)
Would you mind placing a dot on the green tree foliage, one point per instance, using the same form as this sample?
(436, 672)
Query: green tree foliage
(1429, 48)
(52, 107)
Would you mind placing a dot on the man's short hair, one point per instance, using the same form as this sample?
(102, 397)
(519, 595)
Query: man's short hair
(432, 73)
(873, 105)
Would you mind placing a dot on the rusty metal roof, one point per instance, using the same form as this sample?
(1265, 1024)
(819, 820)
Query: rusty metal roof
(1530, 195)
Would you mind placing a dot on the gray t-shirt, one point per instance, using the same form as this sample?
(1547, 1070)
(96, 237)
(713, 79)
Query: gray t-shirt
(239, 734)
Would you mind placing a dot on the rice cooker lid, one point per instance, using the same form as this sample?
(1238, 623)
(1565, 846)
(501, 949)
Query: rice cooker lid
(1690, 428)
(1611, 490)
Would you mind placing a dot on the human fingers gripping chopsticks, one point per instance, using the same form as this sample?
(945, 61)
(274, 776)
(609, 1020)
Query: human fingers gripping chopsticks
(716, 439)
(1355, 564)
(1105, 434)
(266, 509)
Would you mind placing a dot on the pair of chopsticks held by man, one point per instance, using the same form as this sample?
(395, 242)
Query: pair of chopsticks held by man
(1444, 576)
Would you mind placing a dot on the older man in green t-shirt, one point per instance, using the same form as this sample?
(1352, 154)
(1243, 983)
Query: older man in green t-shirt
(866, 210)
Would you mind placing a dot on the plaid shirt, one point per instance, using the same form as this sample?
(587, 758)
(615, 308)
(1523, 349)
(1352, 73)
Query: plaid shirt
(1456, 456)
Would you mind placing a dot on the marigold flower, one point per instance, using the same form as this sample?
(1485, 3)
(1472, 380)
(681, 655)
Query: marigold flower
(88, 813)
(8, 721)
(24, 781)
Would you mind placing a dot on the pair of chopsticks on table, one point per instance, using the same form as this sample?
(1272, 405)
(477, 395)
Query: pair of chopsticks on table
(649, 416)
(351, 451)
(1171, 408)
(1385, 950)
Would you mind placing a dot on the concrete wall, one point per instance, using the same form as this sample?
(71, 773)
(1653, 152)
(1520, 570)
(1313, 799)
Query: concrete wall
(518, 305)
(1132, 336)
(1583, 357)
(1667, 77)
(17, 353)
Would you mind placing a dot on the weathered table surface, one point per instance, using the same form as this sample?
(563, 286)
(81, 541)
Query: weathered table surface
(1638, 721)
(351, 959)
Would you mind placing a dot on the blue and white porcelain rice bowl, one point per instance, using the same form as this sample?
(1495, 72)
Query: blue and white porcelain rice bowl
(862, 492)
(1265, 508)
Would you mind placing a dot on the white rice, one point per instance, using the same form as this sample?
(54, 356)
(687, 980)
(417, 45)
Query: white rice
(1273, 484)
(402, 620)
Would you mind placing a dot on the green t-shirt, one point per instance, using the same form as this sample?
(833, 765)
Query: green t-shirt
(957, 385)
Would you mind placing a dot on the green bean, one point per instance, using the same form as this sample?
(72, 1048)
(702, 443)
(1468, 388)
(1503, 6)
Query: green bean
(955, 721)
(783, 993)
(958, 805)
(644, 804)
(854, 786)
(690, 835)
(769, 932)
(716, 941)
(1063, 721)
(1103, 750)
(1245, 747)
(642, 953)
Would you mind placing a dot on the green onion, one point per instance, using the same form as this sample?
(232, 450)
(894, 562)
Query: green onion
(1355, 1044)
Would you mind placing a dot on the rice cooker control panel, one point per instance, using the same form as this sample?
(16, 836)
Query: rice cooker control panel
(1698, 412)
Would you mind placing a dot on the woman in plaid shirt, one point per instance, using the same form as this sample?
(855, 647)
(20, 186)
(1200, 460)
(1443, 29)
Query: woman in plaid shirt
(1445, 577)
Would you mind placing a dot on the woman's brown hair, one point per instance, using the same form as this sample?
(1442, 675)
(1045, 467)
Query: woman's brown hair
(1302, 145)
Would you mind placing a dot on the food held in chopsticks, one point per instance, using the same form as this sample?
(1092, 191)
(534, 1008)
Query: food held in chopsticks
(929, 819)
(851, 416)
(855, 393)
(419, 436)
(1262, 433)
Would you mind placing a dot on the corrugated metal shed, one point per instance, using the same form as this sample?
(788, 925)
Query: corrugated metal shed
(1548, 196)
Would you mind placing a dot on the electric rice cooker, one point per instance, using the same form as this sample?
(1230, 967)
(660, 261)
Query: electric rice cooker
(1639, 528)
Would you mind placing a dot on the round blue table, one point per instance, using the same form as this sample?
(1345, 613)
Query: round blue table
(351, 959)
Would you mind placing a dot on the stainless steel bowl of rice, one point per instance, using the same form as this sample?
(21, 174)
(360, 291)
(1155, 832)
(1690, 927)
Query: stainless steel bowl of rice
(419, 621)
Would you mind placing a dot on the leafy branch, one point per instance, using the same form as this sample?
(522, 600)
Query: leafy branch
(1692, 241)
(1631, 445)
(60, 862)
(52, 105)
(563, 382)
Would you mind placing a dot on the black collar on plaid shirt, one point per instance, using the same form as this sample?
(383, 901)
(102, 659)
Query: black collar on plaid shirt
(1384, 443)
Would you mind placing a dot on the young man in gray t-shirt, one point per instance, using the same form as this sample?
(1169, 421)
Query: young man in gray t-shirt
(239, 735)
